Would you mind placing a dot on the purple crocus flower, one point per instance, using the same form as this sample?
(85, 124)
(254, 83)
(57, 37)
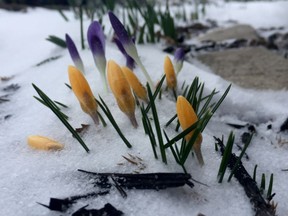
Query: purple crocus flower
(96, 40)
(74, 53)
(129, 60)
(128, 44)
(178, 59)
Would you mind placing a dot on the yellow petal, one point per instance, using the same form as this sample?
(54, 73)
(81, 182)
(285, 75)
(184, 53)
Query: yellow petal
(121, 90)
(83, 92)
(187, 117)
(135, 84)
(170, 73)
(43, 143)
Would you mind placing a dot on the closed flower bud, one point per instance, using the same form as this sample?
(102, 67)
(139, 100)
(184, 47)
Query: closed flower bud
(178, 59)
(128, 44)
(135, 84)
(43, 143)
(74, 53)
(96, 41)
(170, 73)
(121, 90)
(83, 93)
(130, 63)
(187, 117)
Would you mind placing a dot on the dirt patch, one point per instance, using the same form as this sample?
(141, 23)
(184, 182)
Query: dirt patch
(234, 32)
(249, 67)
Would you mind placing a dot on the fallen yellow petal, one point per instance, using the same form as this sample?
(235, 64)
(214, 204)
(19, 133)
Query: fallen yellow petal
(43, 143)
(170, 73)
(121, 90)
(187, 117)
(135, 84)
(83, 93)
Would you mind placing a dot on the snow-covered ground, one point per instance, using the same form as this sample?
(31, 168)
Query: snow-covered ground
(29, 176)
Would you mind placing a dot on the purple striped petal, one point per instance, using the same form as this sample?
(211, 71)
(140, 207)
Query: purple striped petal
(119, 29)
(74, 53)
(130, 63)
(179, 54)
(95, 29)
(123, 36)
(178, 59)
(96, 41)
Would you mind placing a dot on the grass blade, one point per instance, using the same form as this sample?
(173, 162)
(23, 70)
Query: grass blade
(155, 93)
(109, 115)
(269, 192)
(240, 157)
(254, 172)
(181, 135)
(225, 158)
(157, 124)
(149, 131)
(57, 41)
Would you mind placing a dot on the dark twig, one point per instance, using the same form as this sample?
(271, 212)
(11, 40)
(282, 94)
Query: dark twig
(155, 181)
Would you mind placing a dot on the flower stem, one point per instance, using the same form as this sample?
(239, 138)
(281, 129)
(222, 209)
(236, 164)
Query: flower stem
(139, 63)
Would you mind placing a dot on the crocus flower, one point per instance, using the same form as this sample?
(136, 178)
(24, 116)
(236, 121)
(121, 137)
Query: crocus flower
(121, 90)
(128, 44)
(187, 117)
(135, 84)
(130, 63)
(83, 93)
(74, 53)
(178, 59)
(43, 143)
(170, 73)
(96, 40)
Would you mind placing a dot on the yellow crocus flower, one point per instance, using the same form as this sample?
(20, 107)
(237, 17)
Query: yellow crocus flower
(43, 143)
(83, 93)
(135, 84)
(187, 117)
(121, 91)
(170, 73)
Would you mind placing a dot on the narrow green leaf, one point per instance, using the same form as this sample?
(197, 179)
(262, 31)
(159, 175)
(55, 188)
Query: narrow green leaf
(263, 184)
(157, 124)
(109, 115)
(240, 157)
(155, 93)
(63, 15)
(218, 104)
(68, 86)
(225, 158)
(183, 84)
(207, 104)
(254, 172)
(61, 104)
(101, 119)
(57, 41)
(269, 192)
(181, 135)
(189, 145)
(149, 130)
(171, 120)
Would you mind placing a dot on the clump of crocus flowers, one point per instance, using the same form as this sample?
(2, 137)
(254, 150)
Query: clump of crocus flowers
(122, 81)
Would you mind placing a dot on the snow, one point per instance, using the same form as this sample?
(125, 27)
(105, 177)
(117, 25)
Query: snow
(258, 14)
(29, 176)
